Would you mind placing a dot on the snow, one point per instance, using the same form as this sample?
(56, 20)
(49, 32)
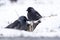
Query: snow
(18, 33)
(49, 23)
(49, 26)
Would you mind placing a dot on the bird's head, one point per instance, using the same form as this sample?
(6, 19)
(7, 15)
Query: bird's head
(30, 8)
(23, 18)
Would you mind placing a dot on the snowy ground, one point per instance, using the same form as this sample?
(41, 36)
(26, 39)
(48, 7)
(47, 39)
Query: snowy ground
(49, 26)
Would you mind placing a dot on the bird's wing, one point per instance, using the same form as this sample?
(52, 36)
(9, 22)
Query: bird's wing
(38, 14)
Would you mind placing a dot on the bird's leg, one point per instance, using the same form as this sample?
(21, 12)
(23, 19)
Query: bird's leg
(31, 28)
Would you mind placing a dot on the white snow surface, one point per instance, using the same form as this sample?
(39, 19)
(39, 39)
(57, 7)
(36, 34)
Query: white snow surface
(21, 33)
(49, 26)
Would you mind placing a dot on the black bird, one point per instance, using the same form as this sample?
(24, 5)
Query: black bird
(19, 24)
(23, 21)
(32, 14)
